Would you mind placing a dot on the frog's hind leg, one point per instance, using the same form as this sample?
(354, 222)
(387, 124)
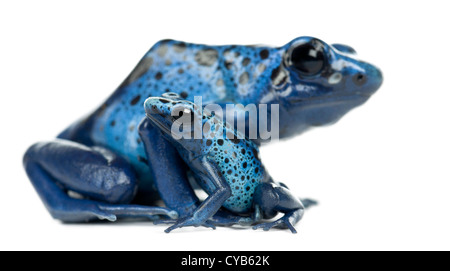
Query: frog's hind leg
(168, 169)
(106, 181)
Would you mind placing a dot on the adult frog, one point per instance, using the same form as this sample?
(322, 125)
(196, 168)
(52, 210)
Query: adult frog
(105, 157)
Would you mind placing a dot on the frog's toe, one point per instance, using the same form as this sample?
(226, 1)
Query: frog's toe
(81, 212)
(173, 214)
(104, 215)
(264, 226)
(186, 222)
(279, 224)
(183, 222)
(286, 224)
(209, 224)
(164, 221)
(138, 211)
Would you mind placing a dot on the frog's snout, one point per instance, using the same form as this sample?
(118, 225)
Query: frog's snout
(356, 76)
(352, 74)
(369, 80)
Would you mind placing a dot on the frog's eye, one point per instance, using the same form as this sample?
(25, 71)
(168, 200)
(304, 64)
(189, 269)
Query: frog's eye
(183, 112)
(171, 95)
(308, 58)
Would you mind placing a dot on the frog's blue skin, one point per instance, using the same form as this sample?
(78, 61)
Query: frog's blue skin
(227, 167)
(113, 158)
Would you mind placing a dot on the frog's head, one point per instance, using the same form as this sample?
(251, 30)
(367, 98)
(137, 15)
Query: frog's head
(169, 110)
(320, 83)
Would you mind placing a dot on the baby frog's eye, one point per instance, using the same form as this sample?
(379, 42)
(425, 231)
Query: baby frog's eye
(179, 113)
(308, 59)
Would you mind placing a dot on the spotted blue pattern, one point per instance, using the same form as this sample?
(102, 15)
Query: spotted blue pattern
(237, 158)
(219, 74)
(231, 74)
(313, 83)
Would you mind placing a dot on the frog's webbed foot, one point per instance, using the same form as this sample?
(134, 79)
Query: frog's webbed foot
(138, 211)
(184, 222)
(286, 222)
(202, 215)
(221, 219)
(282, 223)
(75, 210)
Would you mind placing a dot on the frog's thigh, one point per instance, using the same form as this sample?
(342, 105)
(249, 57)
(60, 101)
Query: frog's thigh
(93, 172)
(168, 169)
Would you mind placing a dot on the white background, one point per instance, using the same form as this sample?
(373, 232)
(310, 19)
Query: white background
(381, 174)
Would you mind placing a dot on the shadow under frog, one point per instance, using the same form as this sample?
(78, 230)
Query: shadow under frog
(110, 156)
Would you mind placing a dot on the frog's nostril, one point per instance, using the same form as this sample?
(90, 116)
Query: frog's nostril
(359, 79)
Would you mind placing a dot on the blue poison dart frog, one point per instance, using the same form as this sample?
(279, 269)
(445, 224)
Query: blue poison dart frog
(224, 164)
(115, 163)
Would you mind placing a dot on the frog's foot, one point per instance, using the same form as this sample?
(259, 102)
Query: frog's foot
(282, 223)
(138, 211)
(184, 222)
(78, 210)
(286, 222)
(74, 211)
(307, 203)
(220, 219)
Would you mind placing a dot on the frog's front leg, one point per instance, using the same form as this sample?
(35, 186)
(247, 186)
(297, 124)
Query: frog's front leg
(171, 180)
(106, 180)
(213, 202)
(170, 176)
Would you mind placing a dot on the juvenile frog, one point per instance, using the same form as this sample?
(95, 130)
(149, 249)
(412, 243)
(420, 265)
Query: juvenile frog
(226, 165)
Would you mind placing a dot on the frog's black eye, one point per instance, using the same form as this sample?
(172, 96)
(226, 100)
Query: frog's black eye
(308, 58)
(182, 113)
(171, 95)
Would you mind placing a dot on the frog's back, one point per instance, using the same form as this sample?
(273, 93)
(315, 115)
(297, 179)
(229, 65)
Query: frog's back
(226, 73)
(219, 74)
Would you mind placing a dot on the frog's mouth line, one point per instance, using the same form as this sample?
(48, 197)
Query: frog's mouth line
(158, 123)
(329, 100)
